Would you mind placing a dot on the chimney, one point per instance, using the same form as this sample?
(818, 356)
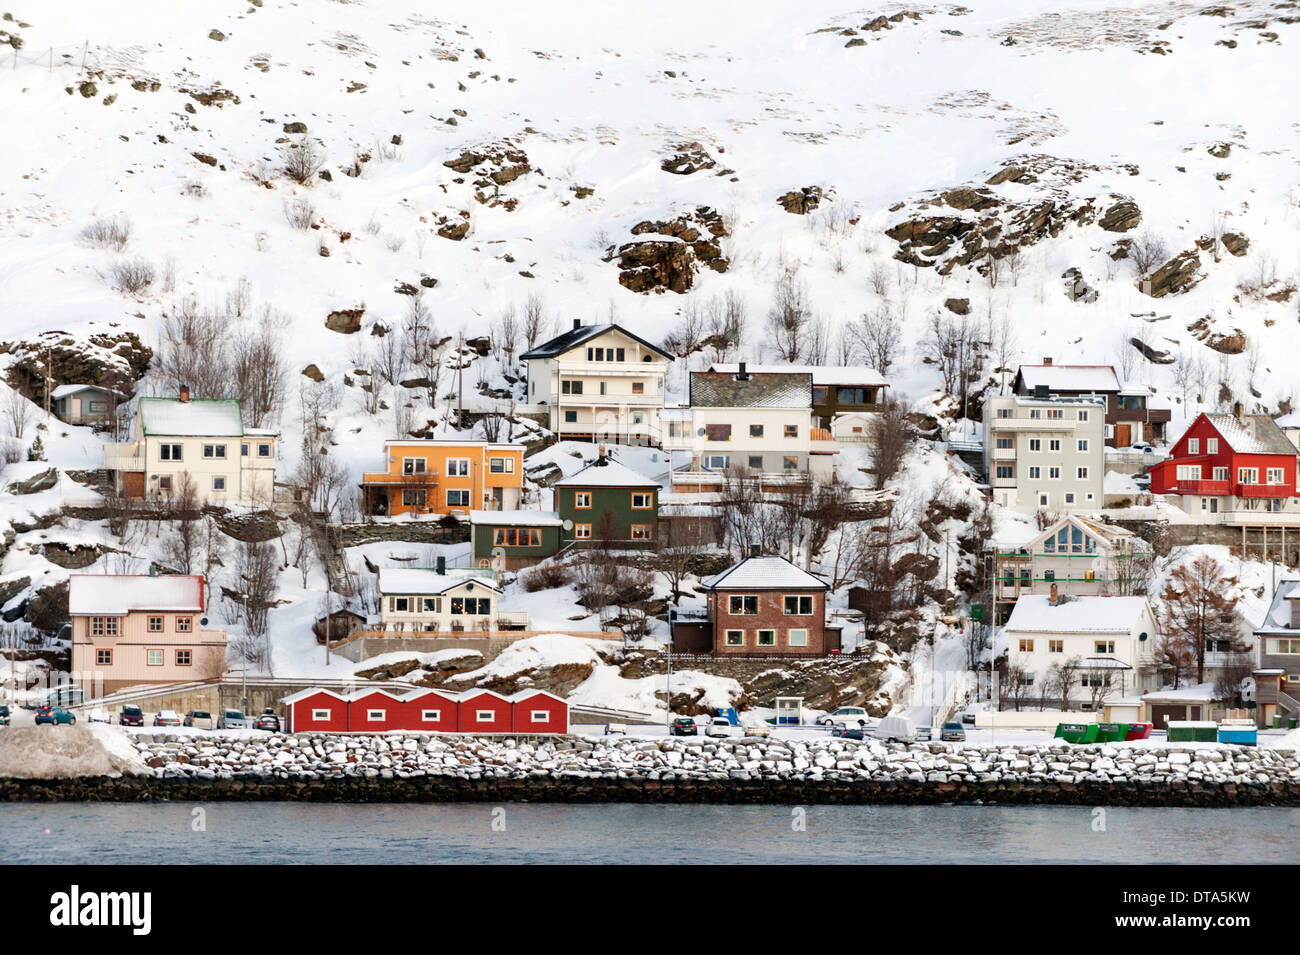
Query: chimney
(601, 459)
(741, 375)
(185, 392)
(1054, 599)
(442, 565)
(1238, 409)
(577, 323)
(1047, 361)
(755, 550)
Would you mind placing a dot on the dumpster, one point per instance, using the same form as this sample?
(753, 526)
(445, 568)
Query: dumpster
(1139, 731)
(1111, 732)
(1193, 731)
(1241, 732)
(1077, 732)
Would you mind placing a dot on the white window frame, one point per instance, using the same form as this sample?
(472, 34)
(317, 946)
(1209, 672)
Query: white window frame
(797, 637)
(485, 716)
(320, 716)
(540, 716)
(431, 716)
(376, 716)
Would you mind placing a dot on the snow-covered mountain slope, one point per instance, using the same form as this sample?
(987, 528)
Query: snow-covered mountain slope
(178, 116)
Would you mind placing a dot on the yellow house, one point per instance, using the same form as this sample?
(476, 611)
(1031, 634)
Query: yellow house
(433, 478)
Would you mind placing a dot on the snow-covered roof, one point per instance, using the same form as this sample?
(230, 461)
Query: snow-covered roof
(311, 691)
(833, 375)
(1252, 434)
(1099, 378)
(199, 417)
(607, 474)
(62, 391)
(1035, 613)
(451, 443)
(1278, 618)
(516, 518)
(765, 573)
(755, 390)
(419, 580)
(118, 594)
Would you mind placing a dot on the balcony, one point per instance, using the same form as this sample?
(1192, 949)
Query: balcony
(1004, 454)
(1212, 488)
(822, 442)
(123, 457)
(1263, 490)
(387, 478)
(1033, 424)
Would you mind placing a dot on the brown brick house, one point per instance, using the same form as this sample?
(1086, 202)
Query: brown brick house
(767, 605)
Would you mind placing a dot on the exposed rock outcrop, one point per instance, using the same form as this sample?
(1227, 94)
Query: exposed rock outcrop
(493, 165)
(345, 321)
(687, 158)
(1179, 274)
(801, 201)
(669, 263)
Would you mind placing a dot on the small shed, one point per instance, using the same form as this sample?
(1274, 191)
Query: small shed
(482, 711)
(536, 711)
(315, 710)
(430, 711)
(84, 404)
(789, 710)
(374, 711)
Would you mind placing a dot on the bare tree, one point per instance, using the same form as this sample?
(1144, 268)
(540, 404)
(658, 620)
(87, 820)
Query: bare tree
(890, 435)
(19, 412)
(534, 318)
(1060, 681)
(788, 317)
(182, 546)
(261, 374)
(192, 351)
(256, 584)
(1147, 251)
(686, 337)
(303, 160)
(1200, 607)
(724, 325)
(879, 335)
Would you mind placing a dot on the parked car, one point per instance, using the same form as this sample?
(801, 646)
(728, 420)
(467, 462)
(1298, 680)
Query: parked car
(952, 733)
(924, 733)
(200, 719)
(684, 726)
(1142, 446)
(720, 726)
(131, 715)
(895, 729)
(232, 720)
(167, 718)
(99, 715)
(761, 730)
(55, 715)
(848, 715)
(968, 718)
(267, 721)
(848, 732)
(4, 715)
(612, 728)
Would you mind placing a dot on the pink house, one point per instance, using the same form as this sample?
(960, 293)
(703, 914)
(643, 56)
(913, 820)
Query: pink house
(132, 629)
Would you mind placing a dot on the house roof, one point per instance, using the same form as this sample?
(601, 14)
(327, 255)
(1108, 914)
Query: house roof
(421, 580)
(607, 474)
(1035, 613)
(62, 391)
(581, 335)
(1278, 618)
(516, 518)
(1251, 434)
(764, 573)
(199, 417)
(1086, 378)
(118, 594)
(821, 374)
(1108, 534)
(312, 691)
(755, 390)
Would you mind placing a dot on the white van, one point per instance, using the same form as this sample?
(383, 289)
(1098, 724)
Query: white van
(895, 729)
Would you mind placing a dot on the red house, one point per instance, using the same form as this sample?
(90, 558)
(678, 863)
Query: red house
(374, 711)
(430, 711)
(1229, 468)
(482, 711)
(314, 710)
(536, 711)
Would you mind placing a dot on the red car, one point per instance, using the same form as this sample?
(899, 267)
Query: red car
(131, 715)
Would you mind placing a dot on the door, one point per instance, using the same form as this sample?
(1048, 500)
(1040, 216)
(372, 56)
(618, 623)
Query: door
(74, 410)
(1123, 435)
(1214, 505)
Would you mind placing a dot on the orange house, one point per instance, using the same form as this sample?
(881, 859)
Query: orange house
(437, 477)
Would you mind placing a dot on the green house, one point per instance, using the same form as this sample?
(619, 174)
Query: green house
(608, 502)
(509, 540)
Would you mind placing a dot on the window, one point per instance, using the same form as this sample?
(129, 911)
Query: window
(1193, 445)
(104, 658)
(165, 483)
(1054, 474)
(766, 638)
(1220, 474)
(1006, 443)
(1189, 472)
(1026, 646)
(735, 638)
(1042, 500)
(184, 658)
(219, 483)
(1105, 646)
(517, 537)
(320, 716)
(642, 500)
(1211, 445)
(1035, 472)
(155, 624)
(791, 431)
(471, 606)
(399, 604)
(756, 462)
(1056, 414)
(1004, 412)
(571, 417)
(582, 532)
(1055, 646)
(790, 462)
(414, 497)
(797, 638)
(1082, 444)
(1054, 444)
(431, 716)
(641, 532)
(1284, 646)
(540, 716)
(483, 716)
(1082, 474)
(798, 604)
(1069, 497)
(263, 450)
(738, 604)
(717, 432)
(214, 451)
(431, 604)
(582, 500)
(243, 449)
(457, 498)
(717, 462)
(1275, 476)
(184, 624)
(169, 452)
(414, 465)
(1035, 444)
(375, 716)
(1083, 416)
(103, 626)
(755, 430)
(501, 465)
(458, 467)
(1247, 475)
(570, 387)
(154, 658)
(1049, 576)
(638, 387)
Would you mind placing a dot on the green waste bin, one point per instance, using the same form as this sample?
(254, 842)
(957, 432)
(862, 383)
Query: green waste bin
(1292, 722)
(1111, 732)
(1277, 722)
(1193, 731)
(1077, 732)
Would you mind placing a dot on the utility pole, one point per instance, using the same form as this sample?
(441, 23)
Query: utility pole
(460, 381)
(49, 369)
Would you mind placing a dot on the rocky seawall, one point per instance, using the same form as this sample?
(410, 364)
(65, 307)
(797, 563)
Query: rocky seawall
(576, 769)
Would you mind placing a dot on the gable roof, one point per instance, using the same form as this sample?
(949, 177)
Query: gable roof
(1278, 618)
(312, 691)
(62, 391)
(821, 374)
(516, 518)
(116, 595)
(764, 573)
(198, 417)
(580, 336)
(1086, 378)
(1107, 534)
(756, 390)
(1035, 613)
(420, 580)
(1251, 434)
(607, 474)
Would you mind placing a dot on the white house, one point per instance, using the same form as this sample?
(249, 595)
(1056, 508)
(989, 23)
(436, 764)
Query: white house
(1107, 641)
(422, 600)
(599, 383)
(1045, 453)
(204, 438)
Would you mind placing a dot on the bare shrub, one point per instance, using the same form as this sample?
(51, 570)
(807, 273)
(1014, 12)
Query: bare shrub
(108, 233)
(1148, 251)
(299, 213)
(303, 159)
(131, 276)
(547, 576)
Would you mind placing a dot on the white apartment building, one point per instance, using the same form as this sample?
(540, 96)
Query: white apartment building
(599, 383)
(1045, 453)
(204, 438)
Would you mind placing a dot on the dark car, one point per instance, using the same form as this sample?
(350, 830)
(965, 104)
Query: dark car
(968, 718)
(848, 732)
(131, 715)
(267, 721)
(684, 726)
(4, 715)
(952, 733)
(54, 715)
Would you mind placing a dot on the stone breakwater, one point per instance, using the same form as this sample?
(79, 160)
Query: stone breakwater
(411, 768)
